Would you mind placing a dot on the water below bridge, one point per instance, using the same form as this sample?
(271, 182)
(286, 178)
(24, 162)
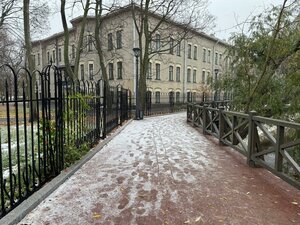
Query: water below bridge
(160, 170)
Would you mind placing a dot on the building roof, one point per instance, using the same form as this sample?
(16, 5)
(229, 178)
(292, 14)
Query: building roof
(127, 8)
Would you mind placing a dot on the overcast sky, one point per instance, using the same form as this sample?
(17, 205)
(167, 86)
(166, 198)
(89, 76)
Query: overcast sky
(228, 14)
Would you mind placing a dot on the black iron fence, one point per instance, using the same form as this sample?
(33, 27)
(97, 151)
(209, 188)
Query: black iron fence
(157, 102)
(45, 124)
(270, 143)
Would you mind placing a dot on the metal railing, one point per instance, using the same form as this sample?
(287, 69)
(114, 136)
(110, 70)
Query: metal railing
(166, 103)
(44, 125)
(270, 143)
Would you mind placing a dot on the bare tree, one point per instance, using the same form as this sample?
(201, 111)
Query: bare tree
(86, 8)
(169, 19)
(100, 9)
(11, 17)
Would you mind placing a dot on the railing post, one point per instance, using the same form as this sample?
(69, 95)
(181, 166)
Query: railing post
(204, 118)
(251, 139)
(279, 142)
(221, 124)
(234, 123)
(193, 114)
(187, 112)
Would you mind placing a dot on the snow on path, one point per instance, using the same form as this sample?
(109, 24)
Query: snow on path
(162, 171)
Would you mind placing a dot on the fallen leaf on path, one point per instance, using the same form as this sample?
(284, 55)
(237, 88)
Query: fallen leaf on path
(198, 219)
(96, 215)
(294, 203)
(186, 222)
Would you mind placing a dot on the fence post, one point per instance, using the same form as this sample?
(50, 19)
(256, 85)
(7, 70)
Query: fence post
(98, 109)
(251, 139)
(221, 124)
(119, 104)
(194, 110)
(279, 142)
(204, 118)
(105, 90)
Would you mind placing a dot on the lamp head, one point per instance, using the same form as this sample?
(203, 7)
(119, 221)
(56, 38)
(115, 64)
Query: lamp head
(136, 52)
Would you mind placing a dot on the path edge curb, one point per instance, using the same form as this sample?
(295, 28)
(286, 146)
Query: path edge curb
(17, 214)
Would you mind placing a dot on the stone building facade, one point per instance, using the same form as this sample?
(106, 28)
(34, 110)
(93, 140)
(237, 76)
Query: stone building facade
(186, 70)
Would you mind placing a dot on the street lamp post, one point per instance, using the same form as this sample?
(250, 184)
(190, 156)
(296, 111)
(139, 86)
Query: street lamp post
(136, 52)
(216, 84)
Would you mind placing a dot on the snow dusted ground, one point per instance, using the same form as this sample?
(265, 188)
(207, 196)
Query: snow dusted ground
(162, 171)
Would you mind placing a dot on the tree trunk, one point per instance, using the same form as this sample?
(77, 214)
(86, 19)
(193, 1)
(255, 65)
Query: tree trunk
(66, 39)
(28, 50)
(98, 14)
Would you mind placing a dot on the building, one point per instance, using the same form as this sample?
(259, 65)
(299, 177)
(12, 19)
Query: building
(186, 70)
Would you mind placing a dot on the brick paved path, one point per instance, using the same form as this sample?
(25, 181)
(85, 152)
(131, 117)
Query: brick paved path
(162, 171)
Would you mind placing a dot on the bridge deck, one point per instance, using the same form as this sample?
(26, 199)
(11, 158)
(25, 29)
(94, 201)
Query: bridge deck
(162, 171)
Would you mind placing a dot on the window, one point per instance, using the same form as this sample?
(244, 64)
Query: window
(120, 69)
(208, 79)
(178, 48)
(203, 77)
(157, 97)
(91, 71)
(82, 71)
(119, 39)
(157, 42)
(216, 58)
(204, 55)
(171, 73)
(90, 43)
(189, 51)
(39, 59)
(110, 71)
(189, 96)
(48, 57)
(194, 76)
(59, 54)
(178, 74)
(189, 75)
(195, 52)
(73, 51)
(177, 96)
(149, 73)
(208, 56)
(110, 42)
(34, 60)
(220, 59)
(226, 63)
(53, 56)
(157, 70)
(171, 97)
(171, 46)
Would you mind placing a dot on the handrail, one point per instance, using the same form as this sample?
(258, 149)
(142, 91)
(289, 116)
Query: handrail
(277, 150)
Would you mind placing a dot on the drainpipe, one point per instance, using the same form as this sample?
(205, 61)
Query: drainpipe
(213, 62)
(56, 52)
(184, 70)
